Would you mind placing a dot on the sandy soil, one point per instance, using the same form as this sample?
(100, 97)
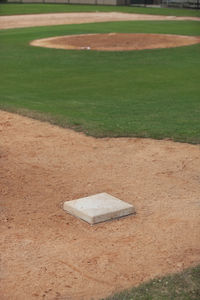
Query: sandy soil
(78, 18)
(116, 41)
(48, 254)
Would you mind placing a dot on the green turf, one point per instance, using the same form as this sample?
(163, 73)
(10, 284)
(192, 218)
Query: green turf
(15, 9)
(149, 93)
(182, 286)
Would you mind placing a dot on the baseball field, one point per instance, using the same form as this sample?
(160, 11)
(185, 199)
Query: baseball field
(92, 117)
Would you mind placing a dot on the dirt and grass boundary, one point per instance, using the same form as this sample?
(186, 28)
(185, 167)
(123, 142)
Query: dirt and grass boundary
(181, 286)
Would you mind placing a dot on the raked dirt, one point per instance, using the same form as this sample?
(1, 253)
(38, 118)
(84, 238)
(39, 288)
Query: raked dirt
(49, 254)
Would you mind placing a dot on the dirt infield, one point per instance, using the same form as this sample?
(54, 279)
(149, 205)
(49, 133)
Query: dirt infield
(116, 41)
(78, 18)
(48, 254)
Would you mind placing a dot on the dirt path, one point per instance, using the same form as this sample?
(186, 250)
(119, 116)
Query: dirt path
(48, 254)
(78, 18)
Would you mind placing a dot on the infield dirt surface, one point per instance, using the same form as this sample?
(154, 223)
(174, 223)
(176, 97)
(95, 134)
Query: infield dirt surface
(116, 41)
(48, 254)
(78, 18)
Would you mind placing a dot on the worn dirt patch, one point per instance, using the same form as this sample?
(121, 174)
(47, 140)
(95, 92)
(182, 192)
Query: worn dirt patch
(20, 21)
(116, 41)
(48, 254)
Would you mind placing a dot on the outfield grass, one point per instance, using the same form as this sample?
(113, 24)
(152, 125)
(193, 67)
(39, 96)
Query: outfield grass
(16, 9)
(149, 93)
(182, 286)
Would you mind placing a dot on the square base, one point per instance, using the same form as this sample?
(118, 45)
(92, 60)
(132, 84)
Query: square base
(98, 208)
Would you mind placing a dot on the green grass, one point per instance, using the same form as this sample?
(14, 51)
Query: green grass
(16, 9)
(182, 286)
(149, 93)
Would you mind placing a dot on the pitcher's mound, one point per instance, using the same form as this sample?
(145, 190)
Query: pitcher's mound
(116, 41)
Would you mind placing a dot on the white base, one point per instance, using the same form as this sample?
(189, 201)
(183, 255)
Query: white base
(98, 208)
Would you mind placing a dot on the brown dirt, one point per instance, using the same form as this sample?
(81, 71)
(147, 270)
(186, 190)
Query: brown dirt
(78, 18)
(116, 41)
(48, 254)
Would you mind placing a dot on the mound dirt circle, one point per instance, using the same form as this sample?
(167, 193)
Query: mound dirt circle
(116, 41)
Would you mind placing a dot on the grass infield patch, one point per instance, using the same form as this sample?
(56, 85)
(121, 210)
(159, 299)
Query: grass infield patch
(148, 93)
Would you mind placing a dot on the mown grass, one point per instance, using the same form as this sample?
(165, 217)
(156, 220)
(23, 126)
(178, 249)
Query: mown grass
(182, 286)
(16, 9)
(149, 93)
